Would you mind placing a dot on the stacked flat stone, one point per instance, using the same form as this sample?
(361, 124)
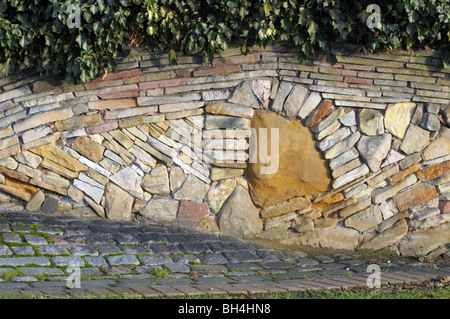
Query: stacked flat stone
(173, 143)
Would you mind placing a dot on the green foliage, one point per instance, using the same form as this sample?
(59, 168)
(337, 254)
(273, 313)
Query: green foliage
(37, 33)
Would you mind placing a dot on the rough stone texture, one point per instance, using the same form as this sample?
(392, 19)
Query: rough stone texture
(36, 201)
(295, 100)
(337, 238)
(374, 150)
(398, 117)
(243, 95)
(217, 196)
(440, 146)
(435, 171)
(420, 243)
(176, 178)
(162, 210)
(388, 237)
(157, 182)
(118, 203)
(191, 213)
(415, 140)
(193, 189)
(371, 122)
(88, 148)
(208, 225)
(417, 195)
(143, 135)
(296, 151)
(130, 181)
(365, 219)
(238, 216)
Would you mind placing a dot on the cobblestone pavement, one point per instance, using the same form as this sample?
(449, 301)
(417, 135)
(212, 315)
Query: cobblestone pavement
(41, 254)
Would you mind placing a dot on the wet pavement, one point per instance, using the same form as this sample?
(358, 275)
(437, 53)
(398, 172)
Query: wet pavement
(66, 256)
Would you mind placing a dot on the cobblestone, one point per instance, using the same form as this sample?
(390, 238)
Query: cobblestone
(123, 259)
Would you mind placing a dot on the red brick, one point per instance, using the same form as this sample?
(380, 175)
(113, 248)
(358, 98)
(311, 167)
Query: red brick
(356, 80)
(98, 84)
(101, 128)
(162, 83)
(328, 65)
(240, 59)
(119, 95)
(359, 67)
(213, 71)
(118, 75)
(192, 212)
(420, 194)
(444, 206)
(112, 104)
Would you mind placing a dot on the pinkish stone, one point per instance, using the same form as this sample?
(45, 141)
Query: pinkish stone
(101, 128)
(444, 206)
(192, 212)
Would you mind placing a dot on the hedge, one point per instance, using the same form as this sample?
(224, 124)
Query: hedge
(45, 34)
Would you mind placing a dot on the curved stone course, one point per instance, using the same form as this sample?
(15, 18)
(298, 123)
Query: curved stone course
(350, 156)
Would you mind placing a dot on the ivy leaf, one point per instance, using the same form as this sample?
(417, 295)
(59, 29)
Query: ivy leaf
(98, 27)
(312, 28)
(2, 6)
(173, 59)
(331, 59)
(8, 67)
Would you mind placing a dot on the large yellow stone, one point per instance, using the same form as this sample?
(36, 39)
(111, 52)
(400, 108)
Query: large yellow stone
(301, 168)
(57, 155)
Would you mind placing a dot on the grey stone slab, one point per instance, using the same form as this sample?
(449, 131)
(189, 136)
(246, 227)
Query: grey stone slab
(41, 271)
(53, 250)
(9, 286)
(253, 278)
(242, 256)
(96, 261)
(277, 265)
(155, 259)
(4, 228)
(92, 271)
(22, 228)
(5, 251)
(108, 249)
(68, 261)
(195, 248)
(22, 250)
(185, 258)
(151, 238)
(12, 238)
(23, 261)
(244, 266)
(24, 279)
(135, 249)
(174, 281)
(221, 246)
(213, 258)
(125, 239)
(177, 267)
(53, 230)
(304, 262)
(100, 240)
(122, 260)
(82, 250)
(213, 280)
(35, 240)
(166, 249)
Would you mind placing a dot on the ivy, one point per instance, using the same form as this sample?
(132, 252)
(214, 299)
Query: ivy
(81, 38)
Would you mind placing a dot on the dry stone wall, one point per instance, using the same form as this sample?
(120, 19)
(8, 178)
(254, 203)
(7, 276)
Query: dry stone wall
(350, 156)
